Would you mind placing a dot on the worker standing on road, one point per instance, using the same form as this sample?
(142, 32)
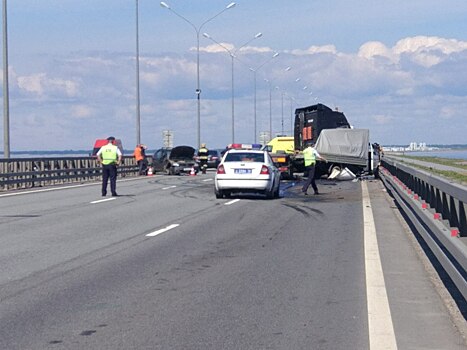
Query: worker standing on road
(140, 157)
(310, 154)
(110, 156)
(203, 155)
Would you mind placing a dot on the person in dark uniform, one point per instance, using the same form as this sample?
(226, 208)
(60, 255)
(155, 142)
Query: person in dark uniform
(203, 156)
(109, 156)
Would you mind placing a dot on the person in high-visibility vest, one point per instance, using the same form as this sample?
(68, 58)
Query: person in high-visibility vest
(310, 154)
(109, 156)
(140, 157)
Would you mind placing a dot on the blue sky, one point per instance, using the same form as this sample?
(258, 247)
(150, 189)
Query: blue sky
(396, 67)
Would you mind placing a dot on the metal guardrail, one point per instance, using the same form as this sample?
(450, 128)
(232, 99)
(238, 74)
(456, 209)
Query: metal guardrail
(437, 209)
(447, 198)
(21, 173)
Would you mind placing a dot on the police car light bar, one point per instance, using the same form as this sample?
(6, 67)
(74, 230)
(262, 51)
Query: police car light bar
(256, 146)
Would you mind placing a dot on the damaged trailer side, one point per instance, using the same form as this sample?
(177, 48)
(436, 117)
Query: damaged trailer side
(346, 148)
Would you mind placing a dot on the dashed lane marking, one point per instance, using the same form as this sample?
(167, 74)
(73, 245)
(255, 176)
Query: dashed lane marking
(103, 200)
(207, 180)
(380, 327)
(162, 230)
(232, 202)
(166, 188)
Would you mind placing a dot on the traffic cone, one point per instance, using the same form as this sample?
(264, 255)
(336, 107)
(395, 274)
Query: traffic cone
(192, 171)
(150, 171)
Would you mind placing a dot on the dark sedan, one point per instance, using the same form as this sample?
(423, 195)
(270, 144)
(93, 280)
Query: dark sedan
(214, 158)
(175, 161)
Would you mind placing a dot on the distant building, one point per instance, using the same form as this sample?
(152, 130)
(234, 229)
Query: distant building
(412, 147)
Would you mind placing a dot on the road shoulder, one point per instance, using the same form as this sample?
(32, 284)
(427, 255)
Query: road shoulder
(423, 312)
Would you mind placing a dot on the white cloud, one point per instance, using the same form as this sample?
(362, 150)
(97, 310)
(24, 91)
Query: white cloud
(374, 49)
(41, 84)
(316, 49)
(387, 89)
(422, 50)
(32, 83)
(426, 43)
(214, 48)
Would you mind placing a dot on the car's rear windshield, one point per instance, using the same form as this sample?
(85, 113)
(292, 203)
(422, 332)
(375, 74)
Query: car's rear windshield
(244, 157)
(212, 152)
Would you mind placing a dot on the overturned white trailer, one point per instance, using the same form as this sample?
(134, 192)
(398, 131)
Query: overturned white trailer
(347, 149)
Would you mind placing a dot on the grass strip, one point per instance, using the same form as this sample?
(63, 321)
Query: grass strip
(457, 163)
(451, 175)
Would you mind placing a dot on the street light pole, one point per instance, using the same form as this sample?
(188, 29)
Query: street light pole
(255, 70)
(282, 111)
(282, 108)
(232, 56)
(197, 30)
(270, 108)
(138, 108)
(6, 99)
(292, 100)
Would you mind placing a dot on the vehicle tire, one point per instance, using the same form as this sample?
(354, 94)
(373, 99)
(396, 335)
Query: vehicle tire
(270, 194)
(376, 173)
(276, 192)
(227, 194)
(219, 194)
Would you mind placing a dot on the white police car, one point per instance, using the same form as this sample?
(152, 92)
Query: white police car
(244, 170)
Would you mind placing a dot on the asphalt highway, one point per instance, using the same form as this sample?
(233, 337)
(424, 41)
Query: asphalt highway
(166, 265)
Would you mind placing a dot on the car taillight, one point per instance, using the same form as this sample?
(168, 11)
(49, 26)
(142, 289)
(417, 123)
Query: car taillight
(264, 170)
(220, 169)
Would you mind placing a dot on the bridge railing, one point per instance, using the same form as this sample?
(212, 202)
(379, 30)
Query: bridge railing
(18, 173)
(437, 210)
(448, 199)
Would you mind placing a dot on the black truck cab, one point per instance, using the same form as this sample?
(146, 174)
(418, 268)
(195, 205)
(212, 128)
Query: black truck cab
(309, 121)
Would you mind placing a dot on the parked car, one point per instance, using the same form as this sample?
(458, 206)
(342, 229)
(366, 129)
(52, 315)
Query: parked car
(175, 161)
(215, 158)
(247, 171)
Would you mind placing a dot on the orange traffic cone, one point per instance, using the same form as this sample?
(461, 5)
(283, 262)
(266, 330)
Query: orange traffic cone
(192, 171)
(150, 171)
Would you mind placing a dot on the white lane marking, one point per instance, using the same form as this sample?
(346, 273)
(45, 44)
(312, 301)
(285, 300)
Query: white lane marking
(64, 187)
(166, 188)
(103, 200)
(232, 202)
(158, 232)
(380, 327)
(207, 180)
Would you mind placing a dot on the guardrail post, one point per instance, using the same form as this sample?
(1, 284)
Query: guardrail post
(462, 221)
